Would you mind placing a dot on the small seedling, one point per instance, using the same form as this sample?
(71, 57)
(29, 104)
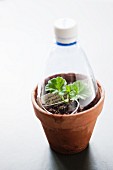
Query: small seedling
(68, 92)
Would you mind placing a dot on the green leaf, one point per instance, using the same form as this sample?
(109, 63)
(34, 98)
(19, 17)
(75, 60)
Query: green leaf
(80, 90)
(72, 95)
(67, 89)
(55, 85)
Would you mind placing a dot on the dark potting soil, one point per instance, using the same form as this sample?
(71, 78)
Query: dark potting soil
(63, 108)
(68, 108)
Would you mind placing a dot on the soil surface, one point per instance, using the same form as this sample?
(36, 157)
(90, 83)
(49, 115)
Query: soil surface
(63, 108)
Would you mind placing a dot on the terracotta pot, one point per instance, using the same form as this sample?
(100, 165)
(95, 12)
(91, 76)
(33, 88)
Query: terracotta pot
(69, 134)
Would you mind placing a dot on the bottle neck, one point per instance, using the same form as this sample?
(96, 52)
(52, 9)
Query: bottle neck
(69, 44)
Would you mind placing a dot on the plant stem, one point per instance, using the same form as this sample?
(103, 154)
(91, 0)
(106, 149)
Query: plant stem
(62, 98)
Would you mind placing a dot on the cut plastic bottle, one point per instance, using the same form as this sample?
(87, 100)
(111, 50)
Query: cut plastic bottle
(68, 84)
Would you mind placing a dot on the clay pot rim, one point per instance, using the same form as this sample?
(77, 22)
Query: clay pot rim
(102, 92)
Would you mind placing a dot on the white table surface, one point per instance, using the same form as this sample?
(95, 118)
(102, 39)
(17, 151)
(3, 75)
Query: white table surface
(26, 34)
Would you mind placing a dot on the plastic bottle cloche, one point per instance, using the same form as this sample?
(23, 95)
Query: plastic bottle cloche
(68, 85)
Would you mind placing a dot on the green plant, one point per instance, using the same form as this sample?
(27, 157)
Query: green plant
(73, 91)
